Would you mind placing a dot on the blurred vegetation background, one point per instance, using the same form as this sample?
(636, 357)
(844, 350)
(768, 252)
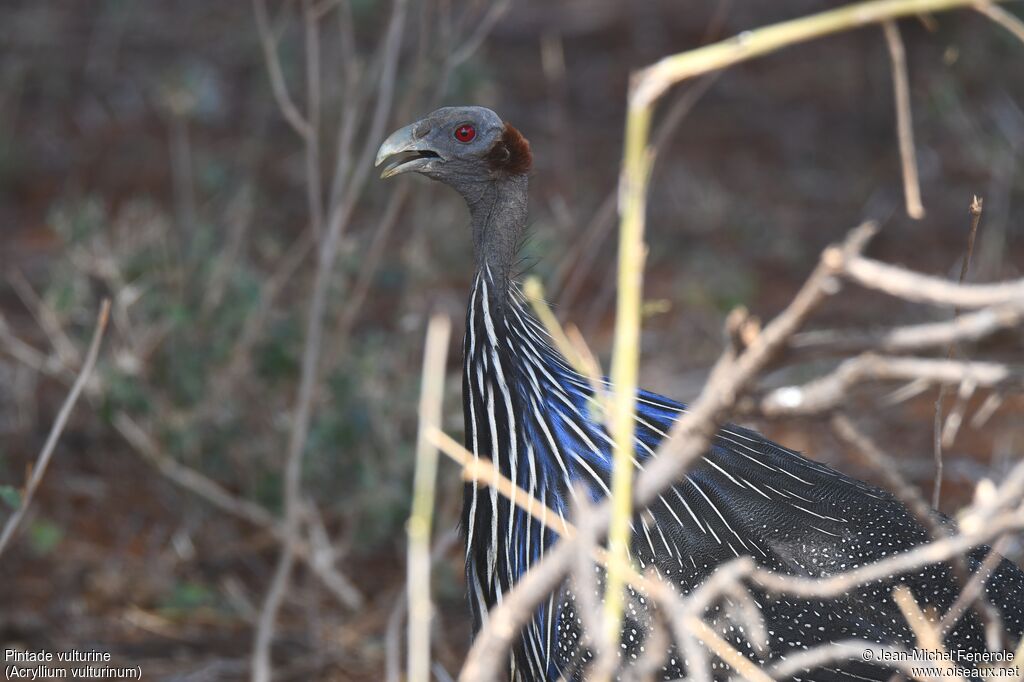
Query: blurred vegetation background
(143, 158)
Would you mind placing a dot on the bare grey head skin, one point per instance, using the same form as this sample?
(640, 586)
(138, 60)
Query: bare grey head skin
(486, 161)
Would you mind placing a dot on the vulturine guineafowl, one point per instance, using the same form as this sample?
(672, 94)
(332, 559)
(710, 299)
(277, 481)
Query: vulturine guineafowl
(527, 411)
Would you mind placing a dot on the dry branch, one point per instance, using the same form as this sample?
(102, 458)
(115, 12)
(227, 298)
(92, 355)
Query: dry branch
(941, 436)
(917, 288)
(970, 327)
(922, 555)
(278, 85)
(836, 652)
(47, 319)
(887, 467)
(828, 392)
(43, 459)
(1010, 22)
(904, 120)
(973, 590)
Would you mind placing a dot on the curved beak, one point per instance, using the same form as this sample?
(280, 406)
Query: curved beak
(405, 151)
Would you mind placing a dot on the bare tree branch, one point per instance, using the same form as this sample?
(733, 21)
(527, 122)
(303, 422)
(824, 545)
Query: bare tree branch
(904, 120)
(43, 459)
(277, 81)
(918, 288)
(828, 392)
(970, 327)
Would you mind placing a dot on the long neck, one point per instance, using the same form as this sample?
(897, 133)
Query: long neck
(525, 412)
(498, 209)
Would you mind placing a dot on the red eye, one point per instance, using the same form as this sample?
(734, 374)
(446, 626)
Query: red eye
(465, 133)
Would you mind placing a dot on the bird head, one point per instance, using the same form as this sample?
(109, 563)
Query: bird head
(460, 146)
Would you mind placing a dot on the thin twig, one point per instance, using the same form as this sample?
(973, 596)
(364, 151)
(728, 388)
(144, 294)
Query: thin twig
(969, 327)
(973, 590)
(987, 409)
(904, 120)
(240, 356)
(368, 269)
(43, 459)
(482, 471)
(250, 512)
(211, 491)
(314, 181)
(483, 28)
(533, 290)
(385, 90)
(27, 354)
(910, 496)
(884, 465)
(588, 605)
(1009, 21)
(736, 660)
(828, 392)
(573, 348)
(975, 210)
(917, 288)
(896, 564)
(840, 651)
(956, 416)
(277, 82)
(47, 319)
(238, 217)
(938, 442)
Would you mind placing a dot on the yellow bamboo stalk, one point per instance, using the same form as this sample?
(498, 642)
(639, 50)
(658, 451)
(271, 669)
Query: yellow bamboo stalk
(424, 484)
(534, 291)
(649, 85)
(655, 79)
(573, 348)
(632, 252)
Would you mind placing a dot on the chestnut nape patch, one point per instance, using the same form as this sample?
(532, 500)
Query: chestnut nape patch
(511, 153)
